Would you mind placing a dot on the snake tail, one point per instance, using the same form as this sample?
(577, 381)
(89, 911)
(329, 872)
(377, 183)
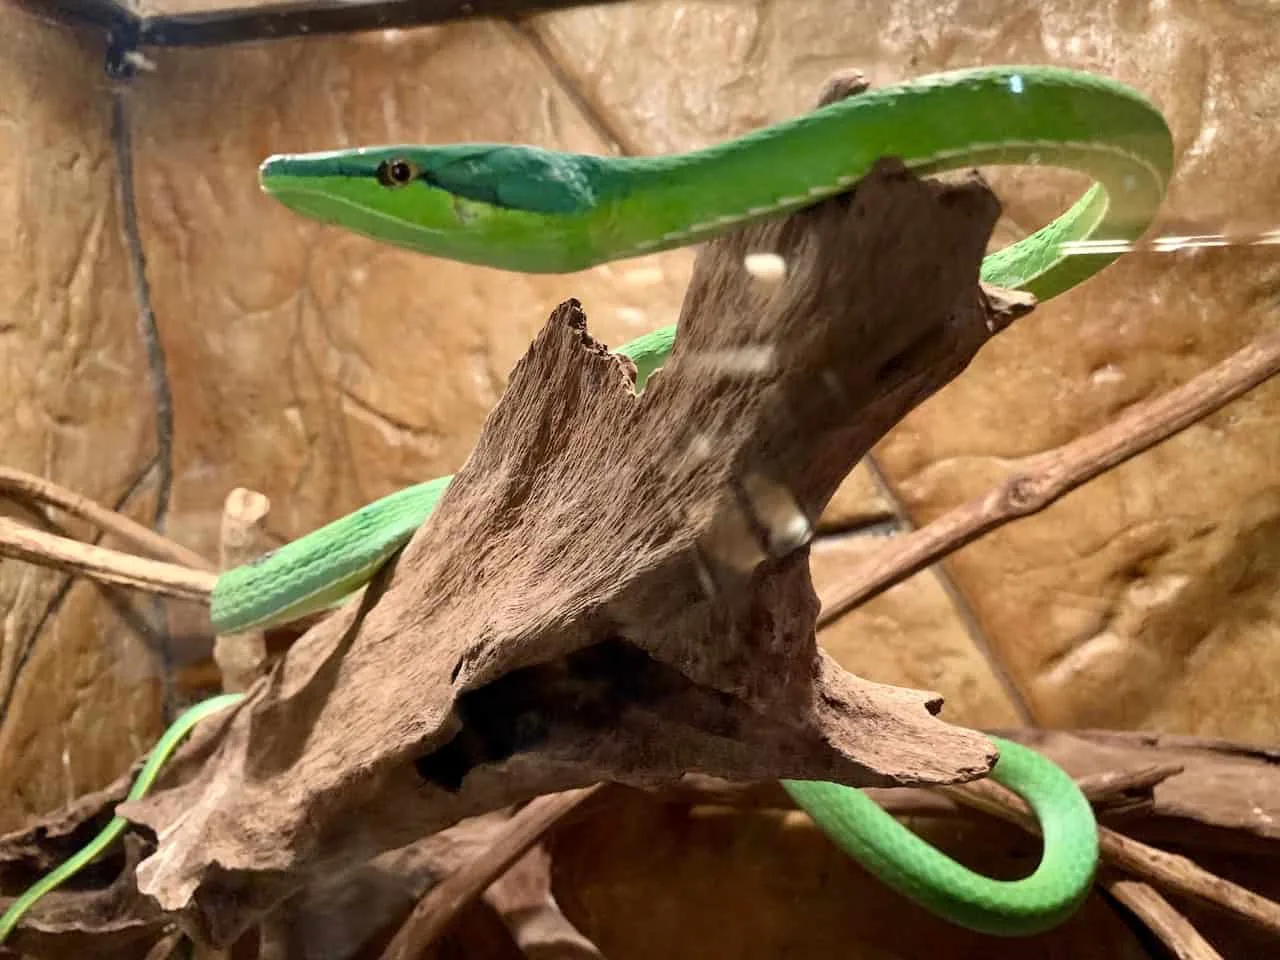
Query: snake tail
(160, 753)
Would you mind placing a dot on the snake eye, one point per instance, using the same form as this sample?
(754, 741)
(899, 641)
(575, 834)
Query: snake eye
(396, 173)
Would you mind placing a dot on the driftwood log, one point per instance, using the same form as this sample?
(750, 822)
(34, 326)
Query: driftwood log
(614, 588)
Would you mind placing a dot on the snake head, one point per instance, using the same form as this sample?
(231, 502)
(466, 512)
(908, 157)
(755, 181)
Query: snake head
(480, 203)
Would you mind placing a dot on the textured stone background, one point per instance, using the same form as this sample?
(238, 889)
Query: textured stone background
(325, 371)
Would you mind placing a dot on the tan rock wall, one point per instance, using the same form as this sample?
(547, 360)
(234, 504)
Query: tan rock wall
(78, 410)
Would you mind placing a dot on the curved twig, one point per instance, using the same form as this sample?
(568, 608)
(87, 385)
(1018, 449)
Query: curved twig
(1036, 482)
(25, 486)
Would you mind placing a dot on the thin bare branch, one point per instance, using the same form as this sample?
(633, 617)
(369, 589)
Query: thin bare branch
(1038, 481)
(98, 563)
(1174, 930)
(1126, 793)
(523, 898)
(25, 486)
(438, 907)
(1177, 874)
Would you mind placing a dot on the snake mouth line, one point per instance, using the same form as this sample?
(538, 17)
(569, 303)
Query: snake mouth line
(319, 203)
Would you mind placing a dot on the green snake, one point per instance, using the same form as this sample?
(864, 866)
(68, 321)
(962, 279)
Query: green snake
(532, 210)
